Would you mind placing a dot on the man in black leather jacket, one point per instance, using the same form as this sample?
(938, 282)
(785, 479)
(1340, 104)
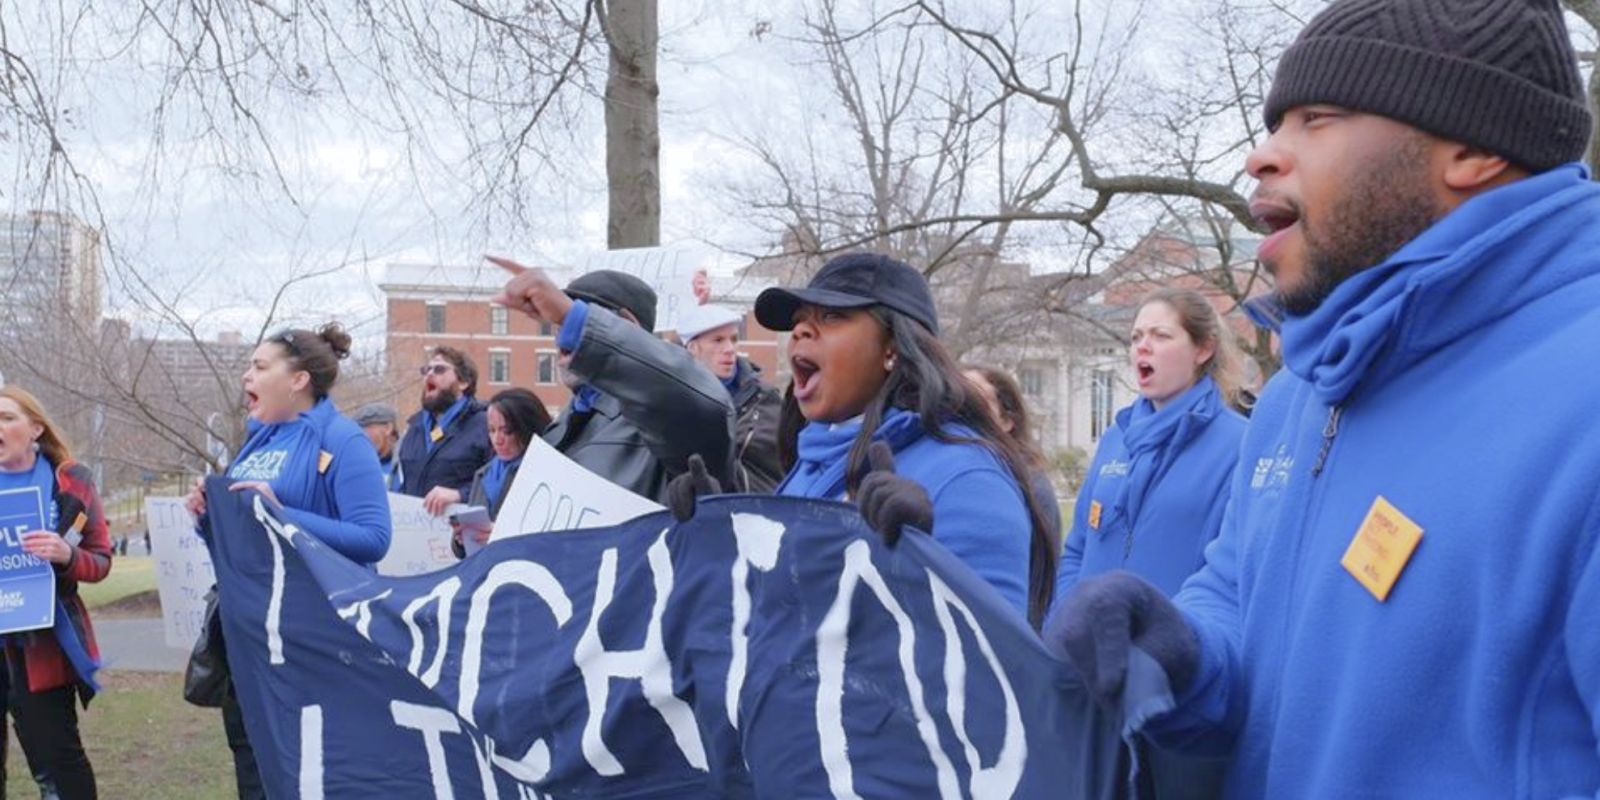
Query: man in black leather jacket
(641, 406)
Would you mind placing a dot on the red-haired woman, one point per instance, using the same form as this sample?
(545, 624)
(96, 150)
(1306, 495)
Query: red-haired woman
(49, 670)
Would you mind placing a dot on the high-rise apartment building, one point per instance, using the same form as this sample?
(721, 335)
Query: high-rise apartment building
(50, 272)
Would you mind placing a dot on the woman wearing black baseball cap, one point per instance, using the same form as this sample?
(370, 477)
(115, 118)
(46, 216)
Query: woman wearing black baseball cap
(868, 368)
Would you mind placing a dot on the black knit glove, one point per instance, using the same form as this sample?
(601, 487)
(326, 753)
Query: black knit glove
(1104, 616)
(890, 502)
(682, 490)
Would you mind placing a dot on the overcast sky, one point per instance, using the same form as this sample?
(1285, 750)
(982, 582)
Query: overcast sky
(209, 224)
(189, 215)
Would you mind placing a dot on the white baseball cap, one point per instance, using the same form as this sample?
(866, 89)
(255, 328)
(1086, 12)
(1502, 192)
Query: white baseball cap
(699, 319)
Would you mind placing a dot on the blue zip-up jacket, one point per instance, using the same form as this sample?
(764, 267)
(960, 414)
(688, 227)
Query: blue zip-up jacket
(330, 484)
(1451, 381)
(1154, 496)
(978, 511)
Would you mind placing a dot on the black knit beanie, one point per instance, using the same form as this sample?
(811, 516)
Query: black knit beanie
(1495, 74)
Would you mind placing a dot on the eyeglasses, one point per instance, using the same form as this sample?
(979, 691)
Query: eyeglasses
(433, 369)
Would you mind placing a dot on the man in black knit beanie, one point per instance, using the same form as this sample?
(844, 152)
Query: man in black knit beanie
(1400, 603)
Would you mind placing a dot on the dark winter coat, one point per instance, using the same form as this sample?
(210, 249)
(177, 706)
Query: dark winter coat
(755, 448)
(479, 497)
(454, 459)
(657, 407)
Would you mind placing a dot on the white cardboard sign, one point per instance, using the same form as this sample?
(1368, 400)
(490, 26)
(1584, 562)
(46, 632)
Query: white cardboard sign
(421, 541)
(183, 569)
(553, 493)
(669, 271)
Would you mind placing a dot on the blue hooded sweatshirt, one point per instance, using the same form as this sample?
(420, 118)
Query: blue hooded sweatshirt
(326, 476)
(1155, 493)
(1451, 382)
(978, 511)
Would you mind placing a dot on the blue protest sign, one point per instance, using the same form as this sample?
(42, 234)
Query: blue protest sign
(27, 582)
(769, 647)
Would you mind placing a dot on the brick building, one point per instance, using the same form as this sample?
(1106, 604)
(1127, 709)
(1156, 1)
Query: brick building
(51, 287)
(430, 305)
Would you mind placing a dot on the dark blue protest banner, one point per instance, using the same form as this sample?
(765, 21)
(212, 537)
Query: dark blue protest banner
(27, 583)
(770, 647)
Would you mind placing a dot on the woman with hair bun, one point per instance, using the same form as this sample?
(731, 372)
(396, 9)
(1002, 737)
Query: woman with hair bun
(313, 462)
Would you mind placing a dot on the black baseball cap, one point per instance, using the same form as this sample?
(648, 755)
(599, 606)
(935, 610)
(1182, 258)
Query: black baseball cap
(857, 280)
(617, 290)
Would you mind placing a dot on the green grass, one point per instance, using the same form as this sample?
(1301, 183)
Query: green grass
(145, 742)
(129, 576)
(143, 739)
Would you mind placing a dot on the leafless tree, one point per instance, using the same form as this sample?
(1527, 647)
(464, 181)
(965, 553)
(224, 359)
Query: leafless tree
(910, 154)
(226, 99)
(979, 146)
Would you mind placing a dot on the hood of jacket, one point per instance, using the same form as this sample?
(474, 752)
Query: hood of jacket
(1487, 258)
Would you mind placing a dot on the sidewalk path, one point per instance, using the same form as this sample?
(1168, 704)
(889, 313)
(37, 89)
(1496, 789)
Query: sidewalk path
(137, 644)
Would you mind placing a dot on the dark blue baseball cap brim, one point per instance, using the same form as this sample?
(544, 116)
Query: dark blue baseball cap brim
(775, 307)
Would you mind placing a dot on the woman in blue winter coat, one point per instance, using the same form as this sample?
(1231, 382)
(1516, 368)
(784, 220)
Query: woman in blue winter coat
(304, 455)
(1154, 496)
(868, 368)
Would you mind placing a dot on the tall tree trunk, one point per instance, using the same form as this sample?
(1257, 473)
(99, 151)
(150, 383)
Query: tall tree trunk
(633, 136)
(1589, 12)
(1592, 158)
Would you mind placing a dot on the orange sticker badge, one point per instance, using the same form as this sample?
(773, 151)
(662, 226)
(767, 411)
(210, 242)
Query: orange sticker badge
(1381, 548)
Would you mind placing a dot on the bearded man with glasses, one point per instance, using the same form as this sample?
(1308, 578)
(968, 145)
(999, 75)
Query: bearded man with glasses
(448, 440)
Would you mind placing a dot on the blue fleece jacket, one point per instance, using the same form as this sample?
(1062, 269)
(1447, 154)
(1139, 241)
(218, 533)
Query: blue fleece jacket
(338, 497)
(1450, 381)
(1155, 493)
(978, 511)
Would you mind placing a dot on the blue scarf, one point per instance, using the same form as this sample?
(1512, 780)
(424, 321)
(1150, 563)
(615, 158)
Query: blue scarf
(394, 476)
(825, 449)
(1155, 438)
(441, 423)
(584, 398)
(1469, 268)
(494, 478)
(43, 477)
(301, 437)
(731, 383)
